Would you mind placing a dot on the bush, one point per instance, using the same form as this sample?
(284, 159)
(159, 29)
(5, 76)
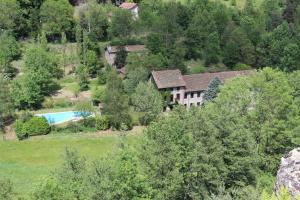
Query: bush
(101, 77)
(98, 95)
(241, 66)
(102, 123)
(18, 127)
(36, 126)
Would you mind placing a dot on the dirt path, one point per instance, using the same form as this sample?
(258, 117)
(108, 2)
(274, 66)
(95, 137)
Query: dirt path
(9, 133)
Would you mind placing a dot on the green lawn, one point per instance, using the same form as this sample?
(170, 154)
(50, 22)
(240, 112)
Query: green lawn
(26, 162)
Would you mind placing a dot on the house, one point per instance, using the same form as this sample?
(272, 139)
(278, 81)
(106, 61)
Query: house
(132, 7)
(188, 90)
(111, 51)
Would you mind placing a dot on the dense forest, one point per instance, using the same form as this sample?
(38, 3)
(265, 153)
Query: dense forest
(229, 148)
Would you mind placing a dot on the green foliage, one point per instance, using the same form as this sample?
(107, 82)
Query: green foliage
(120, 58)
(41, 67)
(32, 127)
(56, 17)
(147, 100)
(213, 89)
(36, 126)
(116, 102)
(38, 59)
(95, 21)
(238, 49)
(93, 64)
(85, 108)
(98, 94)
(6, 189)
(9, 51)
(82, 75)
(6, 108)
(18, 127)
(212, 49)
(241, 66)
(121, 24)
(134, 77)
(10, 16)
(102, 123)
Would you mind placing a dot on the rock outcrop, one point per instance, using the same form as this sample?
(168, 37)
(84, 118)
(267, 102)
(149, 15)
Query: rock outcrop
(288, 174)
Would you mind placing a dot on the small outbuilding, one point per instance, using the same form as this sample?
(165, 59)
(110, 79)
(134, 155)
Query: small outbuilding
(132, 7)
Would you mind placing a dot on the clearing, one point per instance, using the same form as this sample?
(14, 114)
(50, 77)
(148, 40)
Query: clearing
(26, 162)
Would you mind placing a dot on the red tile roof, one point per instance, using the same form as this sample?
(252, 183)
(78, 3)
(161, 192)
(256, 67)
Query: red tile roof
(194, 82)
(128, 6)
(199, 82)
(168, 78)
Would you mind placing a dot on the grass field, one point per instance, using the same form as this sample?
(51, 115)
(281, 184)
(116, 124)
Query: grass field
(26, 162)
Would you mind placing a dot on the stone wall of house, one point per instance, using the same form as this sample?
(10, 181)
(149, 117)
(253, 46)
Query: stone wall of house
(193, 99)
(288, 174)
(178, 92)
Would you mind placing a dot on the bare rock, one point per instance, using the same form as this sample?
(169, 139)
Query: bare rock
(288, 174)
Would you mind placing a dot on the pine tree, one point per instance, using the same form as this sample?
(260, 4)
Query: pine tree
(213, 89)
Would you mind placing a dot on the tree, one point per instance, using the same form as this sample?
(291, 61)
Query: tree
(41, 67)
(85, 110)
(197, 34)
(94, 20)
(121, 24)
(212, 49)
(182, 157)
(56, 17)
(134, 77)
(238, 49)
(6, 108)
(82, 75)
(38, 59)
(147, 100)
(9, 51)
(93, 64)
(213, 89)
(120, 58)
(116, 102)
(290, 60)
(68, 182)
(27, 90)
(10, 16)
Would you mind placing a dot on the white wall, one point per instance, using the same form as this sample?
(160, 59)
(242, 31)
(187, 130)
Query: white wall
(189, 101)
(135, 12)
(180, 91)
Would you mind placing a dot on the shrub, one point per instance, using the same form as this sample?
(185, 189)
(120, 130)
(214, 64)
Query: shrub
(102, 123)
(241, 66)
(98, 95)
(36, 126)
(18, 127)
(48, 103)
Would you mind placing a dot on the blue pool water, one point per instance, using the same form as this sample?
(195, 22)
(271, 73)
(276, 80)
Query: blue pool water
(60, 117)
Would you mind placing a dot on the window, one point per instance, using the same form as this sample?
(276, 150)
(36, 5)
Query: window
(177, 96)
(171, 98)
(192, 95)
(178, 88)
(198, 103)
(191, 104)
(185, 95)
(198, 94)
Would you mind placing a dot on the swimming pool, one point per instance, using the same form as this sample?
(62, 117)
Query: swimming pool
(60, 117)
